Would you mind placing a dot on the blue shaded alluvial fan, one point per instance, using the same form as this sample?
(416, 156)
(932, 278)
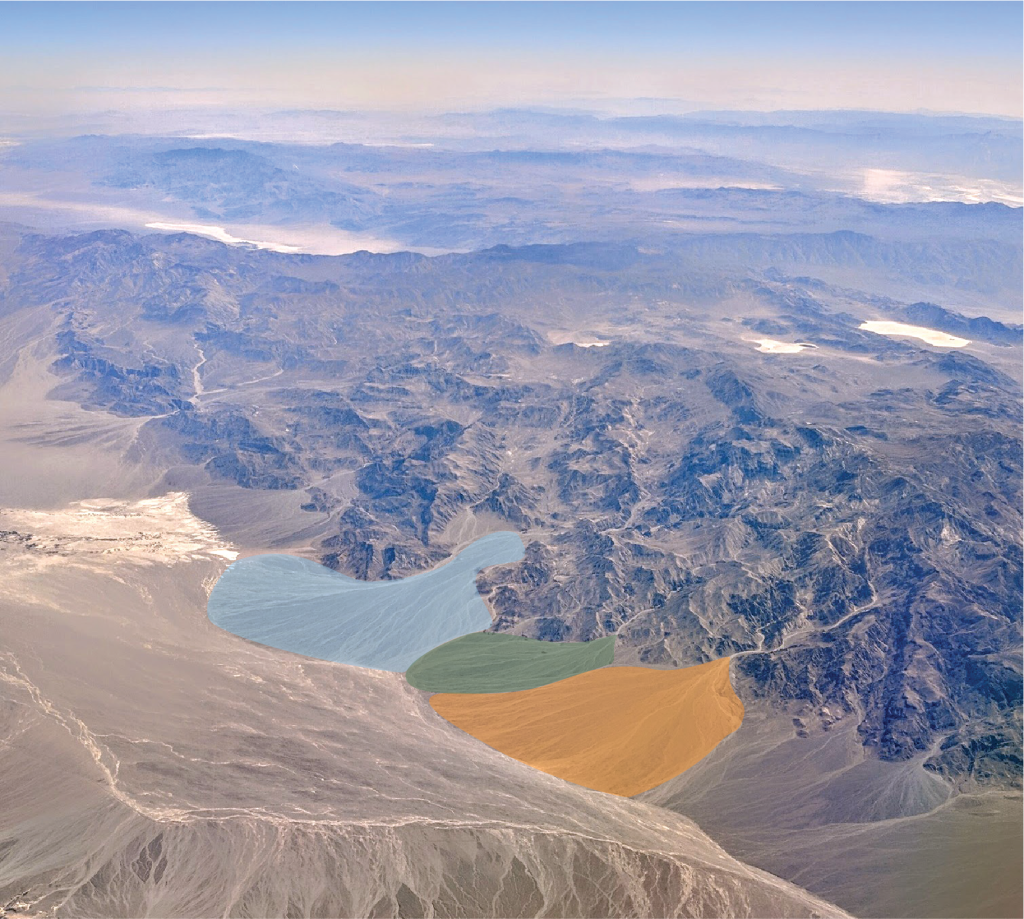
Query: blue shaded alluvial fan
(298, 605)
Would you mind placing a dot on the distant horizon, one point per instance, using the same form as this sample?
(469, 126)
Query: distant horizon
(379, 126)
(432, 58)
(672, 109)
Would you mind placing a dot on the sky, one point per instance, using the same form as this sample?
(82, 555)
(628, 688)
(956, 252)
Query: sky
(86, 57)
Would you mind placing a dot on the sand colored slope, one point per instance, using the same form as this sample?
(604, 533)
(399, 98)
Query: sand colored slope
(487, 662)
(621, 730)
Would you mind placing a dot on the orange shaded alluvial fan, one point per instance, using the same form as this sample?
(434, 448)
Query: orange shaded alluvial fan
(621, 730)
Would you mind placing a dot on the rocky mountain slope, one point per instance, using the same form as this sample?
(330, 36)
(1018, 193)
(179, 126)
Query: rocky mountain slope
(842, 511)
(154, 764)
(838, 510)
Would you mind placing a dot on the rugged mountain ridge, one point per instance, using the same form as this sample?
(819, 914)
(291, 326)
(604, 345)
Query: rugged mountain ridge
(667, 492)
(844, 520)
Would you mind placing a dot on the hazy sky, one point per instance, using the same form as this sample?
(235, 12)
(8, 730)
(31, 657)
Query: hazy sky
(964, 57)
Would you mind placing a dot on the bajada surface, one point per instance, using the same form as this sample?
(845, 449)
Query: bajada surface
(488, 662)
(621, 730)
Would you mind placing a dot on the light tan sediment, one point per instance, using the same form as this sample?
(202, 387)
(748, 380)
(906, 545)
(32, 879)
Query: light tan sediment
(621, 730)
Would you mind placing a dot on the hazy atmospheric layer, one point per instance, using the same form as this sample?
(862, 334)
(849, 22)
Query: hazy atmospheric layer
(525, 177)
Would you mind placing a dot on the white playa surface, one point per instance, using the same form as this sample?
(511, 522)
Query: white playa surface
(771, 346)
(931, 336)
(82, 216)
(314, 240)
(221, 235)
(580, 339)
(892, 186)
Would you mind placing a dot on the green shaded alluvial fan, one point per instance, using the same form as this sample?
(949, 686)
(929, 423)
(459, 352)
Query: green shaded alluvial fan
(490, 662)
